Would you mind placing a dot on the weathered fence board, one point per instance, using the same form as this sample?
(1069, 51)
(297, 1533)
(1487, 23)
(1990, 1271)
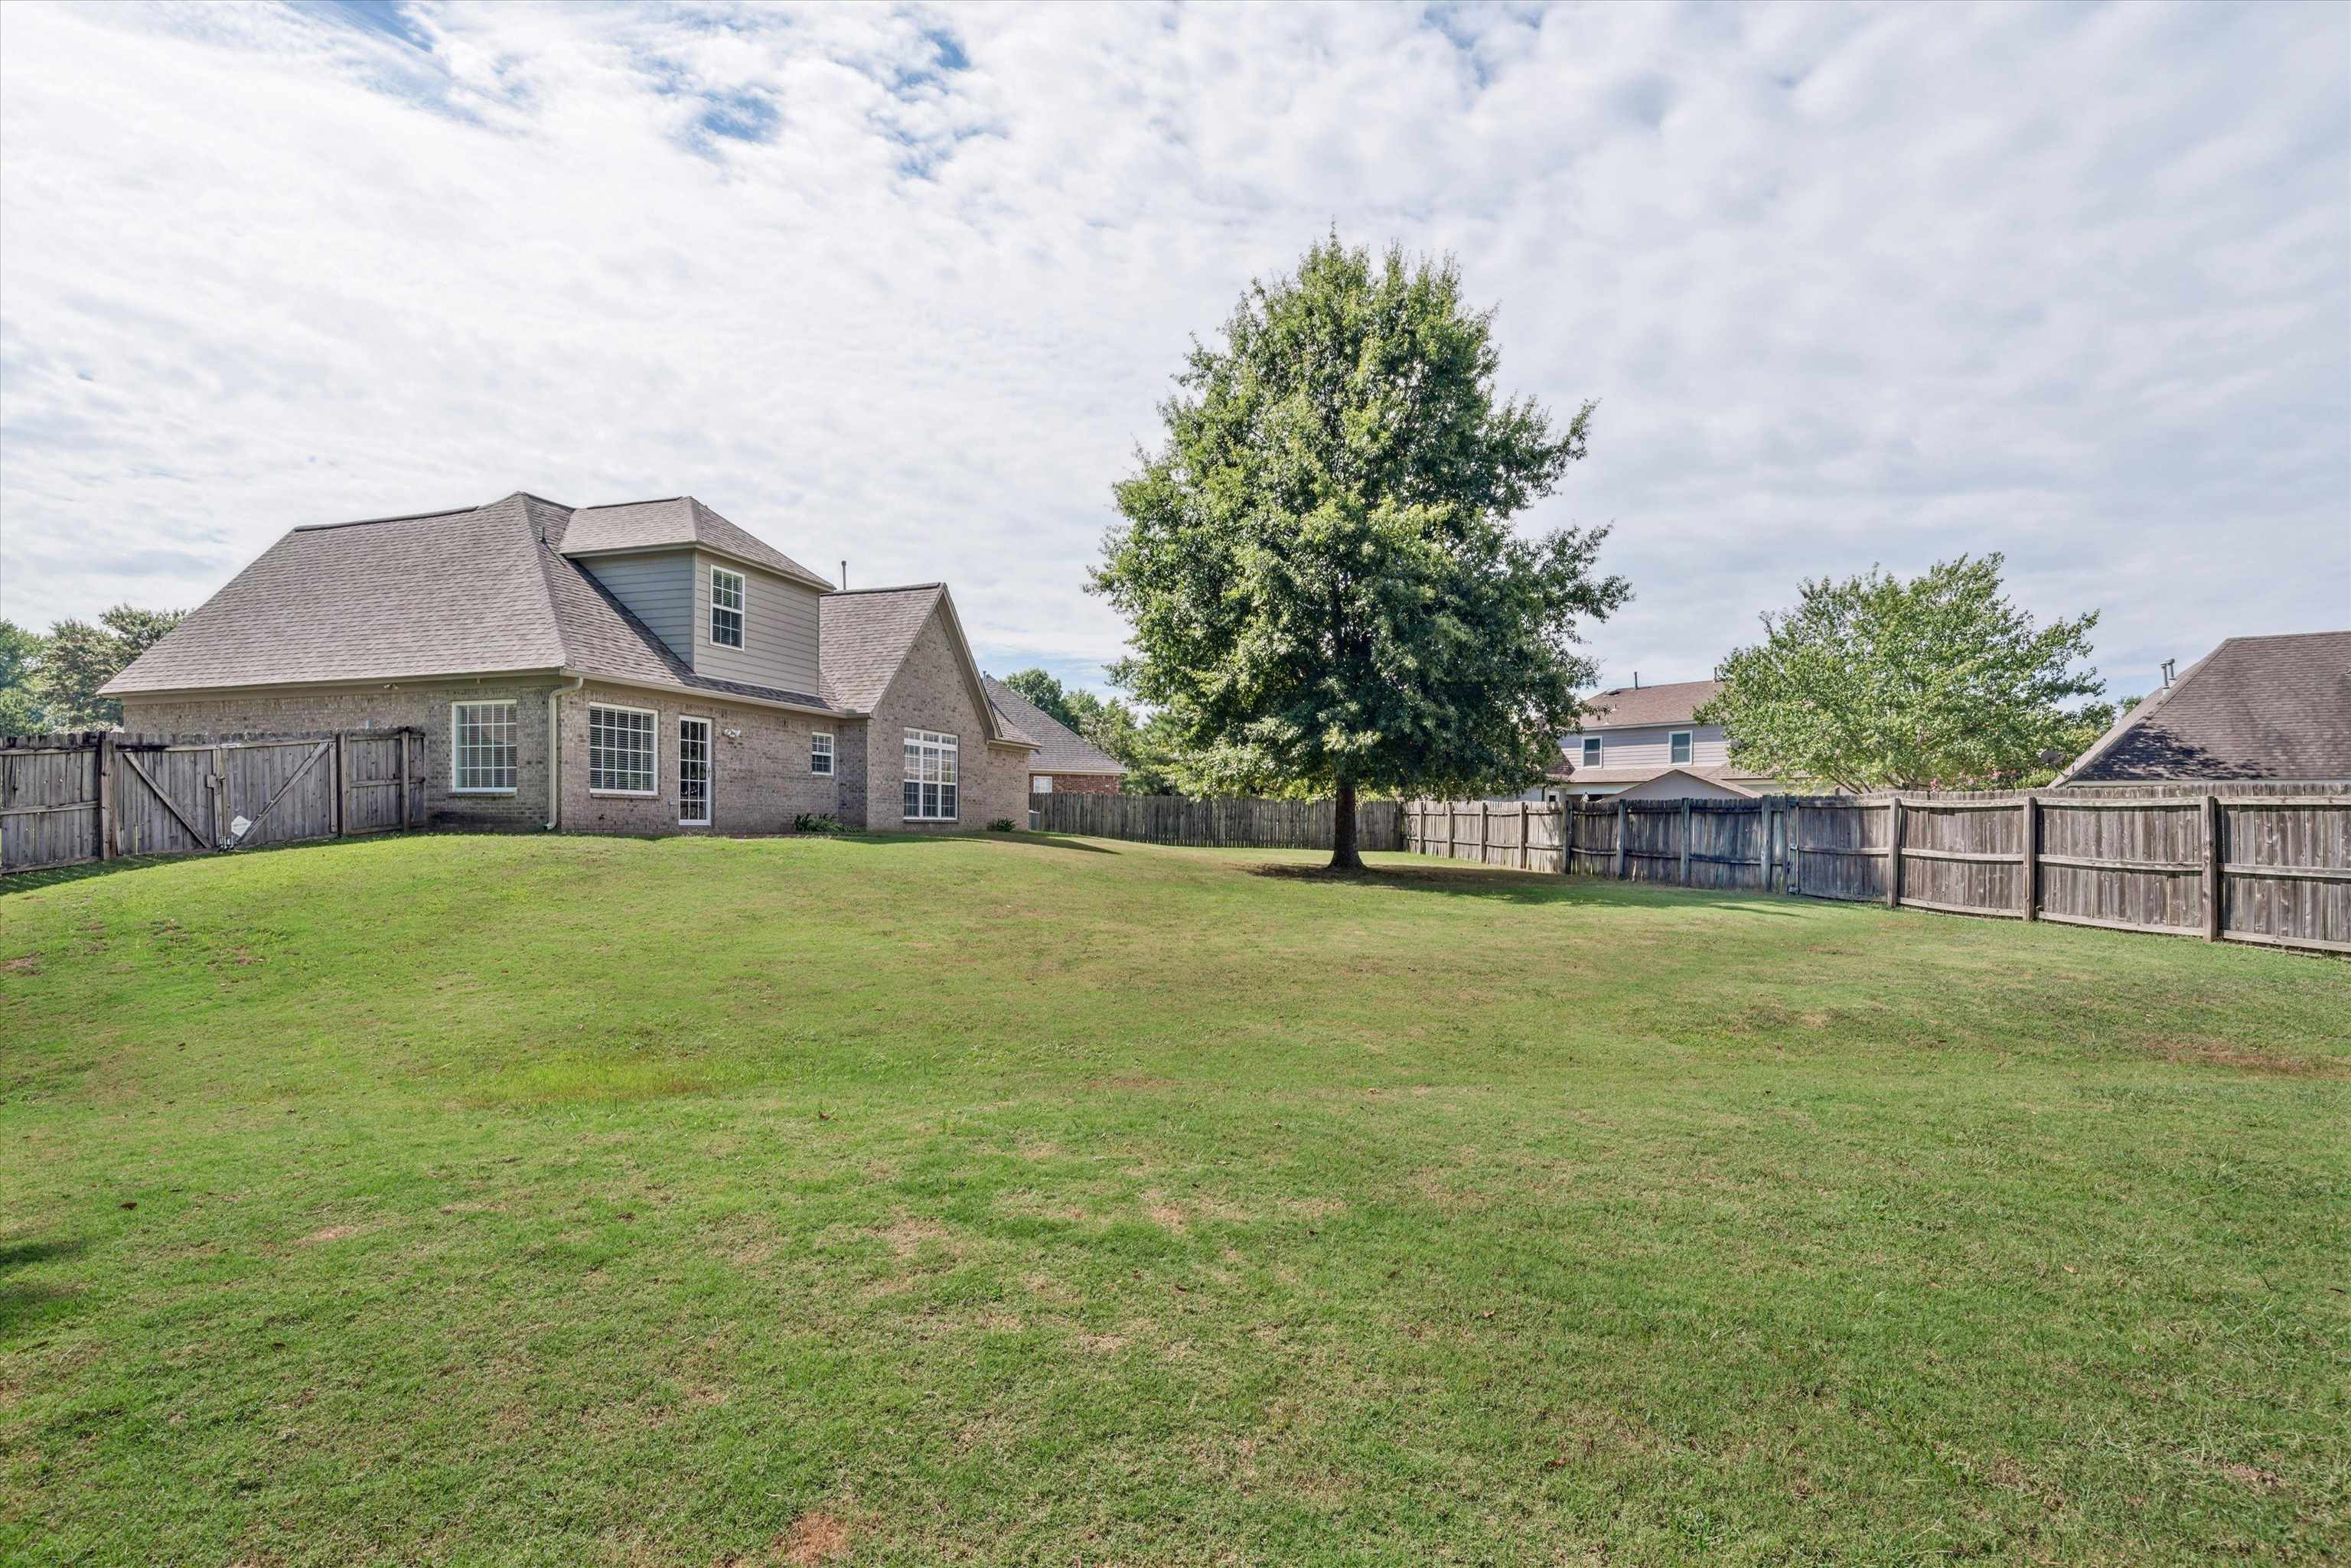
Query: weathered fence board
(94, 795)
(1236, 823)
(2240, 863)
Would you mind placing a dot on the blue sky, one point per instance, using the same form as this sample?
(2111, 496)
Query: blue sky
(904, 285)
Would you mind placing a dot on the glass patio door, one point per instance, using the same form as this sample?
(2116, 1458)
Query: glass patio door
(694, 772)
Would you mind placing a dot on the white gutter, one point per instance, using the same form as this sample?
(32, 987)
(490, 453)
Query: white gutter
(554, 749)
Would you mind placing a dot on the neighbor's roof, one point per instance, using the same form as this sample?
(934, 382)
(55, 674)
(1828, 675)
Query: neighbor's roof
(480, 591)
(2254, 707)
(1059, 748)
(1672, 703)
(866, 634)
(680, 521)
(1713, 773)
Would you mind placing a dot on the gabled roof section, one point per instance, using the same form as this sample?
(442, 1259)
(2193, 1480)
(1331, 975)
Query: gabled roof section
(1059, 748)
(1672, 703)
(679, 522)
(479, 590)
(442, 593)
(2254, 707)
(864, 637)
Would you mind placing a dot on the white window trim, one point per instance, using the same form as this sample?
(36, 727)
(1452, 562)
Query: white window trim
(741, 609)
(454, 709)
(832, 755)
(942, 740)
(709, 768)
(588, 753)
(1593, 748)
(1039, 784)
(1688, 738)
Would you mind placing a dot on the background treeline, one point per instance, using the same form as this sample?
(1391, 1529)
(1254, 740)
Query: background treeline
(51, 683)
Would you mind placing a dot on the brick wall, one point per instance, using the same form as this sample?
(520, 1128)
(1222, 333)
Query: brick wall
(424, 706)
(929, 691)
(1077, 783)
(759, 766)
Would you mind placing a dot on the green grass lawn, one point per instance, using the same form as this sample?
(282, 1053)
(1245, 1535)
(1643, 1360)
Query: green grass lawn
(561, 1200)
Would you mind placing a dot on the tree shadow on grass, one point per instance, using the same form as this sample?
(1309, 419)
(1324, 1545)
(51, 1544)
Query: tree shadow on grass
(59, 875)
(1033, 841)
(1519, 886)
(21, 1305)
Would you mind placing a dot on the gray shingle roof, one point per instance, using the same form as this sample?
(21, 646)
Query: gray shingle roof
(680, 520)
(474, 592)
(2254, 707)
(1059, 748)
(865, 635)
(1672, 703)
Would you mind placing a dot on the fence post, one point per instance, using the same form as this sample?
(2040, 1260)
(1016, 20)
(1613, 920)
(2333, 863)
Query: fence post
(1621, 815)
(105, 766)
(1522, 835)
(2029, 897)
(1686, 840)
(1894, 853)
(403, 780)
(219, 782)
(2209, 810)
(1485, 828)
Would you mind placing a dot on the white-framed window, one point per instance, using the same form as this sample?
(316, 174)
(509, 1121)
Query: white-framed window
(622, 750)
(725, 607)
(694, 772)
(1041, 784)
(931, 782)
(820, 752)
(1677, 745)
(1591, 751)
(481, 748)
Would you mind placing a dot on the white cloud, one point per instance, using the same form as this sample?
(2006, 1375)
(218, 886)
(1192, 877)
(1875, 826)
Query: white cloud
(905, 286)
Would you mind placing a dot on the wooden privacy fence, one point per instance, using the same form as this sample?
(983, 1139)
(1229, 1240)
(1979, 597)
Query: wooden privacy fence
(97, 794)
(2248, 862)
(1246, 824)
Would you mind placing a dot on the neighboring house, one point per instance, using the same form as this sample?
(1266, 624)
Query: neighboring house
(644, 668)
(1640, 742)
(2274, 708)
(1064, 760)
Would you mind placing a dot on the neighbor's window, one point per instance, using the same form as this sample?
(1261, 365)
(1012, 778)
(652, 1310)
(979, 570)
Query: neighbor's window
(820, 753)
(621, 746)
(1041, 784)
(481, 747)
(930, 777)
(725, 607)
(1592, 751)
(1679, 742)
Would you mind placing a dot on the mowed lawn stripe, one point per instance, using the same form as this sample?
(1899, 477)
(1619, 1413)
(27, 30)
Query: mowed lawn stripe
(1012, 1199)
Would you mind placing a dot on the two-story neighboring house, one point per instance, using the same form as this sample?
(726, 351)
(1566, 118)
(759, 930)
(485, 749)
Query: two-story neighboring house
(641, 668)
(1641, 742)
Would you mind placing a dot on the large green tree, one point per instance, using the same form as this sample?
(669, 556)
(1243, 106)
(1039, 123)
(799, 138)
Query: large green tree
(79, 657)
(1879, 681)
(20, 662)
(1318, 562)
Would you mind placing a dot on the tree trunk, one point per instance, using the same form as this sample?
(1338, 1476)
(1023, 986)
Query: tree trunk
(1344, 855)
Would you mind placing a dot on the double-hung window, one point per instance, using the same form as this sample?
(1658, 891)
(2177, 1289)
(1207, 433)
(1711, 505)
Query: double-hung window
(621, 747)
(481, 748)
(1678, 746)
(725, 607)
(1591, 751)
(930, 777)
(820, 753)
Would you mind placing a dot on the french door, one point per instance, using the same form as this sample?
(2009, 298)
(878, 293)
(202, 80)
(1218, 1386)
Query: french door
(694, 772)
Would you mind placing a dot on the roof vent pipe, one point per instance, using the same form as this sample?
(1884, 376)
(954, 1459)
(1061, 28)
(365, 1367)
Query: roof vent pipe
(2167, 671)
(844, 575)
(1636, 680)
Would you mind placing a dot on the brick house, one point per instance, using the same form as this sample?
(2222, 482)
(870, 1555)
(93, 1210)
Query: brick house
(642, 668)
(1064, 762)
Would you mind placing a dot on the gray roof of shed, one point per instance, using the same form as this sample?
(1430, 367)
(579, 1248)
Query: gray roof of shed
(1059, 748)
(2254, 707)
(680, 521)
(480, 591)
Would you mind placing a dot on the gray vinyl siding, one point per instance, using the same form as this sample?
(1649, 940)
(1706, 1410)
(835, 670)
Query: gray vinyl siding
(1651, 745)
(779, 630)
(658, 589)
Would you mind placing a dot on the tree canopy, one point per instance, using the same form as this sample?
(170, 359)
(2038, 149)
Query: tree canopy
(1325, 591)
(1937, 681)
(51, 682)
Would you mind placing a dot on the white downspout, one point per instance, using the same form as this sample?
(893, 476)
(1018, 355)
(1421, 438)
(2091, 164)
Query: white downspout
(555, 750)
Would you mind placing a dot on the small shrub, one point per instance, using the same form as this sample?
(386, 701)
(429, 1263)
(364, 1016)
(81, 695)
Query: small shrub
(1001, 825)
(817, 823)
